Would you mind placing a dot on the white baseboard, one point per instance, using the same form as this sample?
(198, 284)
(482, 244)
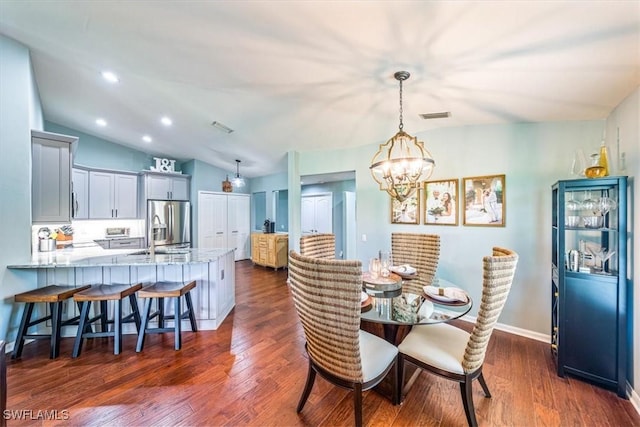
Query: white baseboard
(634, 398)
(516, 331)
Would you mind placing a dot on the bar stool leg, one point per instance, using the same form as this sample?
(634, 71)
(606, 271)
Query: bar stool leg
(160, 312)
(192, 314)
(143, 325)
(104, 319)
(135, 310)
(177, 319)
(22, 330)
(117, 327)
(84, 316)
(56, 327)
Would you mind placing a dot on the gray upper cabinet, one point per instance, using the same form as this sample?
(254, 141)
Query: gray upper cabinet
(80, 194)
(166, 187)
(51, 177)
(112, 195)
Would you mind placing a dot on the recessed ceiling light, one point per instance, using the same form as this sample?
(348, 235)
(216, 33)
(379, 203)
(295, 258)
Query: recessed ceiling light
(110, 76)
(101, 122)
(147, 138)
(166, 121)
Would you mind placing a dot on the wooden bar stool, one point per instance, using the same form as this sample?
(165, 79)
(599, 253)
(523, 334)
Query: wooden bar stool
(103, 293)
(162, 290)
(54, 295)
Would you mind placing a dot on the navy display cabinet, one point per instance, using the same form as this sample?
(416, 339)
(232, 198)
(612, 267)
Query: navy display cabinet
(590, 317)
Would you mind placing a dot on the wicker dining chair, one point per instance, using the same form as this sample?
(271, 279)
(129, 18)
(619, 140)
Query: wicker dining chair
(327, 299)
(321, 245)
(421, 251)
(453, 353)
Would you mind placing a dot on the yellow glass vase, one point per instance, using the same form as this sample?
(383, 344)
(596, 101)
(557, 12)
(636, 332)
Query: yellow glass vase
(604, 158)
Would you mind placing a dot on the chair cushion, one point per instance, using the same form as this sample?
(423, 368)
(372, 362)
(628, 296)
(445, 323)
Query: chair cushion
(441, 346)
(376, 355)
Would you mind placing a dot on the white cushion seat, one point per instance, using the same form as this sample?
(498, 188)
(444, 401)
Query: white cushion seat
(441, 346)
(377, 354)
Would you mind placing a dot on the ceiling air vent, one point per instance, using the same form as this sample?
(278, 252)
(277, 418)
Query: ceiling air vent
(442, 115)
(221, 127)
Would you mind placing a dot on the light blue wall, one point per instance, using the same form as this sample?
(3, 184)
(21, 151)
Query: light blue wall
(531, 155)
(267, 184)
(20, 111)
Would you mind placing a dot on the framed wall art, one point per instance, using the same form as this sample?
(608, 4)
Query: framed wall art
(441, 202)
(407, 212)
(484, 200)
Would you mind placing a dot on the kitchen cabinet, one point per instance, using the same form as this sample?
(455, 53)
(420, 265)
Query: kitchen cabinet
(270, 249)
(112, 195)
(80, 194)
(51, 160)
(224, 221)
(590, 322)
(166, 186)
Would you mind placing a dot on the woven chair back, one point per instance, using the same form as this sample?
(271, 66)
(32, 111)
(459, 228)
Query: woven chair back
(321, 245)
(498, 272)
(326, 294)
(421, 251)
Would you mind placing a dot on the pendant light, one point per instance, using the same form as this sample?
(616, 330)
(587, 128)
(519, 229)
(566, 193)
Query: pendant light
(402, 164)
(238, 181)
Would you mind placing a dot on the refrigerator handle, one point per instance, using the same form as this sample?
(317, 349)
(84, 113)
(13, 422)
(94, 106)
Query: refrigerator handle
(171, 224)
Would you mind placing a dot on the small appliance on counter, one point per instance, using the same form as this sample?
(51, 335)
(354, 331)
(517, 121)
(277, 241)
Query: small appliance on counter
(269, 226)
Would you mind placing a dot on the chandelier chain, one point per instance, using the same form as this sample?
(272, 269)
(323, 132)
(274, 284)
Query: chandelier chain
(401, 125)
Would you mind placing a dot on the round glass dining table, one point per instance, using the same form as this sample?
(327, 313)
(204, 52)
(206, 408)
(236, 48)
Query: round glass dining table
(389, 305)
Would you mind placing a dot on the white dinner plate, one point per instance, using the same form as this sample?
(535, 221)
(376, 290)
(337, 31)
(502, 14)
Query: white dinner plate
(432, 292)
(363, 296)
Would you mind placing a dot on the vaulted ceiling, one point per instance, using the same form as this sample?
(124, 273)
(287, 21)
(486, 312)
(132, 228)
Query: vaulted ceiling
(312, 75)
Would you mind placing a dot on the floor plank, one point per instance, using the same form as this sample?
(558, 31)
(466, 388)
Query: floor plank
(251, 371)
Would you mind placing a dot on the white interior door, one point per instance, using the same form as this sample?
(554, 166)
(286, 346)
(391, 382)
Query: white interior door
(239, 224)
(317, 213)
(212, 220)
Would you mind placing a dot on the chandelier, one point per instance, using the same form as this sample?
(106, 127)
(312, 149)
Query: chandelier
(237, 180)
(402, 163)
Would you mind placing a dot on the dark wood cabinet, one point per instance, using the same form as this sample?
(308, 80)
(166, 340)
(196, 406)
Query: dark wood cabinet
(589, 287)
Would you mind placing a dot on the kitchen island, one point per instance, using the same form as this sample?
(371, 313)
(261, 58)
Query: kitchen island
(212, 269)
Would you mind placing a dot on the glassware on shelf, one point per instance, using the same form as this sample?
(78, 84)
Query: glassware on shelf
(571, 204)
(603, 255)
(590, 205)
(606, 204)
(578, 164)
(595, 170)
(603, 158)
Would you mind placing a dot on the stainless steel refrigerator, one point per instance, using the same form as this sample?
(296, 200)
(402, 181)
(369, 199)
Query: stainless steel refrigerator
(169, 223)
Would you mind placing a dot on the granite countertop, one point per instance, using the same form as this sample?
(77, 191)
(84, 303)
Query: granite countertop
(118, 257)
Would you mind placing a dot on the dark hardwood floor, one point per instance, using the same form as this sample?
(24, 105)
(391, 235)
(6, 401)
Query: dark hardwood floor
(251, 371)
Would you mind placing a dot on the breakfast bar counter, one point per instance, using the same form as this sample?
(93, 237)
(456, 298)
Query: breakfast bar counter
(212, 269)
